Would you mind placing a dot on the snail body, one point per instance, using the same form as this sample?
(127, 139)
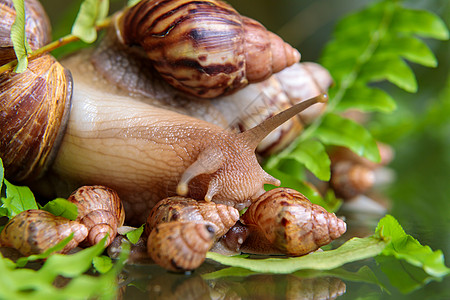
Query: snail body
(34, 231)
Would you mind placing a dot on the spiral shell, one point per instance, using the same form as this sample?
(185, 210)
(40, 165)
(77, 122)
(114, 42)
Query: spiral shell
(183, 209)
(350, 179)
(100, 210)
(34, 231)
(37, 27)
(34, 110)
(34, 105)
(204, 48)
(303, 81)
(180, 246)
(291, 223)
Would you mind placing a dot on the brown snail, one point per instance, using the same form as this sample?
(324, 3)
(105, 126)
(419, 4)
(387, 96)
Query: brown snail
(180, 246)
(145, 152)
(34, 231)
(100, 210)
(205, 48)
(183, 209)
(291, 223)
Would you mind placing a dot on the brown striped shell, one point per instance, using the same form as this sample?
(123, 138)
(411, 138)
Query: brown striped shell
(180, 246)
(291, 223)
(204, 48)
(183, 209)
(34, 105)
(100, 210)
(34, 111)
(34, 231)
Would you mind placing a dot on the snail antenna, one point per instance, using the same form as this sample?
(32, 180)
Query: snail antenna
(256, 134)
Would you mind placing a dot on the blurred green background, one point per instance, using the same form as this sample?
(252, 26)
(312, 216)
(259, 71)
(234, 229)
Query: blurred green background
(419, 130)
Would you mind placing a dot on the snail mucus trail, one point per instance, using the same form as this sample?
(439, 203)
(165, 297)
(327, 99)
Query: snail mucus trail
(144, 152)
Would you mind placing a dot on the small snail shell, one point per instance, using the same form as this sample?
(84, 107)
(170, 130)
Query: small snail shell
(34, 231)
(350, 179)
(100, 210)
(180, 246)
(303, 81)
(183, 209)
(235, 237)
(352, 175)
(37, 27)
(290, 222)
(204, 48)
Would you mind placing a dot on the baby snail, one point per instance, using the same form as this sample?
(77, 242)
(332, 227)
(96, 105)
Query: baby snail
(63, 129)
(34, 231)
(100, 213)
(291, 223)
(181, 230)
(100, 210)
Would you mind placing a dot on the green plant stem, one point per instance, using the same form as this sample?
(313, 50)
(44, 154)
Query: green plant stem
(346, 82)
(53, 45)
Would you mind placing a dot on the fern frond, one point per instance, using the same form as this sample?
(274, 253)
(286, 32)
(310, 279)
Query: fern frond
(369, 46)
(373, 44)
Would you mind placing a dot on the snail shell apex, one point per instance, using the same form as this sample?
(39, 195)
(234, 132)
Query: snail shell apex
(204, 48)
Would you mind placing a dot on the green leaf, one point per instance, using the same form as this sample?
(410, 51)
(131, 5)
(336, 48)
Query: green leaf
(102, 264)
(19, 38)
(31, 284)
(312, 154)
(91, 12)
(403, 275)
(18, 199)
(72, 265)
(393, 69)
(366, 99)
(62, 208)
(419, 22)
(353, 250)
(336, 130)
(133, 2)
(408, 47)
(22, 261)
(134, 235)
(404, 246)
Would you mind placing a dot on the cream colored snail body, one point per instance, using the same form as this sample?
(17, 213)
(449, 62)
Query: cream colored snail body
(144, 152)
